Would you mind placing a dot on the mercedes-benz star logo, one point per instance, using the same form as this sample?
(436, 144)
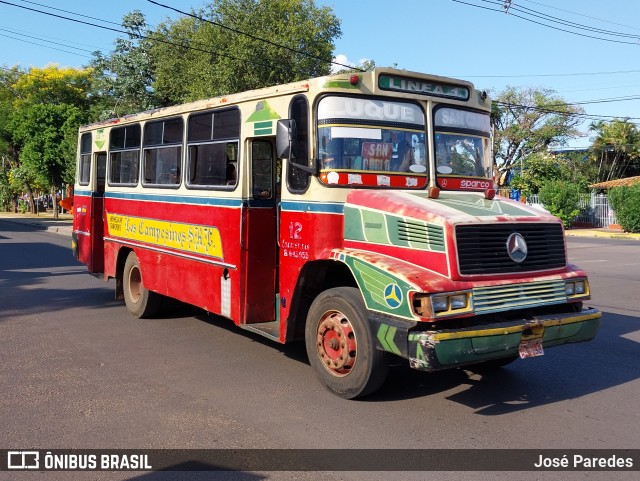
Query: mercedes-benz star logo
(516, 248)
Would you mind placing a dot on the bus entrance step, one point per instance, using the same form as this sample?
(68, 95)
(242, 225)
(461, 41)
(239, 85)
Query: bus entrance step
(266, 329)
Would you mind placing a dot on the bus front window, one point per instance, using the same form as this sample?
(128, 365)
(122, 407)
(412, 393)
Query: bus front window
(462, 142)
(462, 155)
(371, 136)
(372, 149)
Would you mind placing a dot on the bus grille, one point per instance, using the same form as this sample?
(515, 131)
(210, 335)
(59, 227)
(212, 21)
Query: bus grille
(420, 235)
(482, 249)
(518, 296)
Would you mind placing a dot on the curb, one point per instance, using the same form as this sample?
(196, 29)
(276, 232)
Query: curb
(64, 226)
(61, 227)
(603, 234)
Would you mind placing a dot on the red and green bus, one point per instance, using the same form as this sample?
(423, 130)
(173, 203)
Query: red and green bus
(356, 212)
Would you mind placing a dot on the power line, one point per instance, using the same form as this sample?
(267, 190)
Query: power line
(566, 114)
(133, 34)
(553, 74)
(42, 40)
(160, 40)
(67, 11)
(48, 37)
(581, 14)
(46, 46)
(569, 23)
(550, 26)
(253, 37)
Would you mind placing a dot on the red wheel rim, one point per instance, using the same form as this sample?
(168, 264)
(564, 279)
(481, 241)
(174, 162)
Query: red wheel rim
(336, 343)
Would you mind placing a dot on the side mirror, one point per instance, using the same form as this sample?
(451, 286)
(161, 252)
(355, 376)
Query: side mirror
(286, 146)
(285, 138)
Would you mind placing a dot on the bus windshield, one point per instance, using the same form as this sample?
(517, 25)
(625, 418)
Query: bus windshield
(460, 154)
(462, 143)
(369, 135)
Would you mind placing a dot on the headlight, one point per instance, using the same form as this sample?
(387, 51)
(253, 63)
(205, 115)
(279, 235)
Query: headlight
(445, 304)
(458, 301)
(439, 303)
(576, 288)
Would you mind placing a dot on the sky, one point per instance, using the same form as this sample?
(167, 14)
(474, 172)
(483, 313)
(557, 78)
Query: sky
(585, 50)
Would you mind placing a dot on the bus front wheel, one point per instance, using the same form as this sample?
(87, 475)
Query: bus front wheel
(140, 301)
(340, 344)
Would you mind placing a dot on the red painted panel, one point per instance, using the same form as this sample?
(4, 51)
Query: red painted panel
(260, 265)
(434, 261)
(185, 275)
(82, 227)
(97, 234)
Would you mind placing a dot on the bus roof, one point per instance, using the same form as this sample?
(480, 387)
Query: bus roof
(367, 83)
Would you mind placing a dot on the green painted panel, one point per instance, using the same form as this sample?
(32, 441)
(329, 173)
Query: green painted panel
(375, 227)
(353, 224)
(416, 234)
(382, 291)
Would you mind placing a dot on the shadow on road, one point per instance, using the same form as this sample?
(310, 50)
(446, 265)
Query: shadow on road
(197, 471)
(44, 277)
(563, 373)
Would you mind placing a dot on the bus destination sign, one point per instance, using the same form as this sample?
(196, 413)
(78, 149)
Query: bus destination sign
(420, 86)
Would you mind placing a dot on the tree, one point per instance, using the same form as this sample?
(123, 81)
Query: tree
(44, 132)
(542, 167)
(615, 151)
(14, 178)
(122, 81)
(529, 121)
(236, 45)
(42, 110)
(626, 204)
(562, 199)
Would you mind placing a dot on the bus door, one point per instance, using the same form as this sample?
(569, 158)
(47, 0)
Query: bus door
(96, 226)
(260, 268)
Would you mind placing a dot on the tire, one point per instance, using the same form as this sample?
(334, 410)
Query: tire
(340, 345)
(140, 301)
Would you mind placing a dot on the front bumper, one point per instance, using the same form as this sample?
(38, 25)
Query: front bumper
(432, 350)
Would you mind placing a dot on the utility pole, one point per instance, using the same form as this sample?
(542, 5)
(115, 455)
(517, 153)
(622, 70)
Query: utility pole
(506, 5)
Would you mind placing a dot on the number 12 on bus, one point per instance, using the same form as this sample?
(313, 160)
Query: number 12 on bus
(355, 212)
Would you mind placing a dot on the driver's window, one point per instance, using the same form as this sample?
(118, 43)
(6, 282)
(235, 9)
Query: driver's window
(262, 169)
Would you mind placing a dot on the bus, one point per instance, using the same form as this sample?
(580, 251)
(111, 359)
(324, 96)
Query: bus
(357, 212)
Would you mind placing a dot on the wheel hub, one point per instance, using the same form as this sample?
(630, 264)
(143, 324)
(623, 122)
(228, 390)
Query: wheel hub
(336, 343)
(135, 284)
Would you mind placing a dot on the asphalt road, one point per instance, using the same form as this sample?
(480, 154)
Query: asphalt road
(76, 371)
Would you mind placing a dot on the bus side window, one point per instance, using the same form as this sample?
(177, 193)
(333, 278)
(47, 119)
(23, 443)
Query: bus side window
(213, 140)
(124, 158)
(101, 170)
(163, 152)
(298, 179)
(84, 173)
(262, 169)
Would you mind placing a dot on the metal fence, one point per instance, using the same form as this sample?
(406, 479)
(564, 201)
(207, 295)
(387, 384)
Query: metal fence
(594, 210)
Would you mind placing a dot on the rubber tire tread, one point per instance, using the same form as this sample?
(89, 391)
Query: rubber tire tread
(371, 367)
(149, 303)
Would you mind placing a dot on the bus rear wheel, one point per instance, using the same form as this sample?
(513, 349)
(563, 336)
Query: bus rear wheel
(140, 301)
(340, 345)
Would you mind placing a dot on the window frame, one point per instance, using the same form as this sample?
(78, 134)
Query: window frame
(84, 160)
(149, 149)
(123, 150)
(213, 140)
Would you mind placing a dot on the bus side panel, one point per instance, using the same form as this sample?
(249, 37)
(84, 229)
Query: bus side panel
(259, 270)
(304, 237)
(97, 233)
(171, 242)
(82, 226)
